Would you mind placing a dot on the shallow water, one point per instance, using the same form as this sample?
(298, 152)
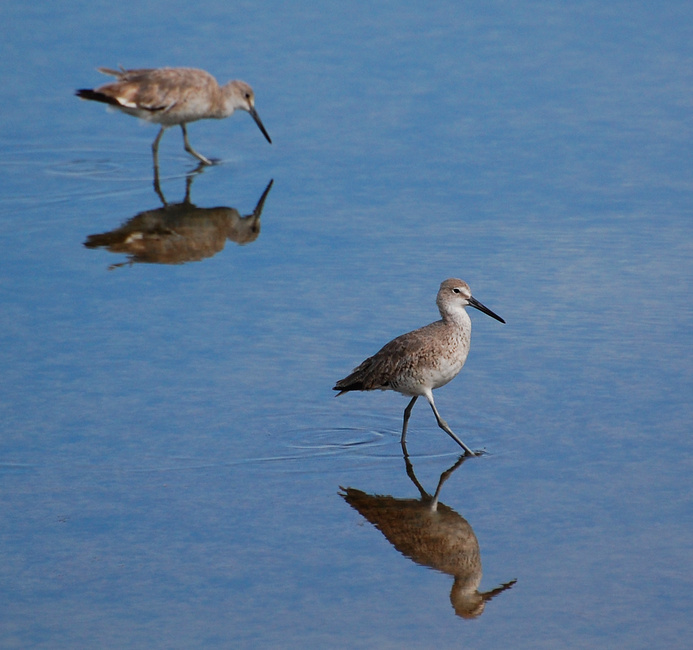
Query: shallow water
(173, 462)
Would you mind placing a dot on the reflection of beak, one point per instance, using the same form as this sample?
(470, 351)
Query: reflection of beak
(473, 302)
(259, 123)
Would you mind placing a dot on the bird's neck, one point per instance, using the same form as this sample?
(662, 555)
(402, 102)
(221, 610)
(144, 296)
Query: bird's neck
(457, 318)
(229, 100)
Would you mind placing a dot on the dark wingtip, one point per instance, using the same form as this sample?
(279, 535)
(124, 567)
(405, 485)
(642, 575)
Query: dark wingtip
(347, 388)
(93, 95)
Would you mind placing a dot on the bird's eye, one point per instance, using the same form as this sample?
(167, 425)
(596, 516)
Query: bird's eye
(455, 290)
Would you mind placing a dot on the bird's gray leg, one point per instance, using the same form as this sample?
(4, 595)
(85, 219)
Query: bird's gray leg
(407, 413)
(190, 150)
(444, 426)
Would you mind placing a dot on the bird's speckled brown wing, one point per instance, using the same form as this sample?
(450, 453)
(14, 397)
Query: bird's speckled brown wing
(156, 89)
(398, 358)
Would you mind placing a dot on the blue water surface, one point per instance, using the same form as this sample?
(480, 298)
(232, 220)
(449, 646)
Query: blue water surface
(174, 469)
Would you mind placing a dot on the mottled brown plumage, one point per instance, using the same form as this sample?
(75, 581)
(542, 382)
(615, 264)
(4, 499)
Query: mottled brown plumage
(420, 361)
(174, 96)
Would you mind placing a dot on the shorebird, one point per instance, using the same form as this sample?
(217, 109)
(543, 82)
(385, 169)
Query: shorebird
(174, 96)
(416, 363)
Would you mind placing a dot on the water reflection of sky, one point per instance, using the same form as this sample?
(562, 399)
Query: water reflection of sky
(171, 452)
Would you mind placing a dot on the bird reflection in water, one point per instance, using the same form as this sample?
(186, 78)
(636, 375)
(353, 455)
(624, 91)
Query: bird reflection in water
(433, 535)
(179, 232)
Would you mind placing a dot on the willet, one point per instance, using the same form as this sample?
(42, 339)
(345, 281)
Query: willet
(416, 363)
(170, 96)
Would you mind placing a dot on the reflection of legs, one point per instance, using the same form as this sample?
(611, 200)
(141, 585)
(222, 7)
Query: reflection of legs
(444, 477)
(155, 147)
(155, 153)
(425, 497)
(444, 426)
(407, 413)
(410, 473)
(190, 150)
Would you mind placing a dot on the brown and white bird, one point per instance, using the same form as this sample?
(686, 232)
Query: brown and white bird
(174, 96)
(416, 363)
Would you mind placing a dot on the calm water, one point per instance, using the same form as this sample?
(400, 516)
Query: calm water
(175, 470)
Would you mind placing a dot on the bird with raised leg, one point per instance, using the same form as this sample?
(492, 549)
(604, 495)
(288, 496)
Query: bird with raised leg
(174, 97)
(416, 363)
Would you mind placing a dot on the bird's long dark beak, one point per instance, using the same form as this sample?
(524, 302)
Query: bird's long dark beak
(261, 126)
(473, 302)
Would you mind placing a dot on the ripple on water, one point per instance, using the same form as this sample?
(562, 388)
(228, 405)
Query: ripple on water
(88, 168)
(319, 442)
